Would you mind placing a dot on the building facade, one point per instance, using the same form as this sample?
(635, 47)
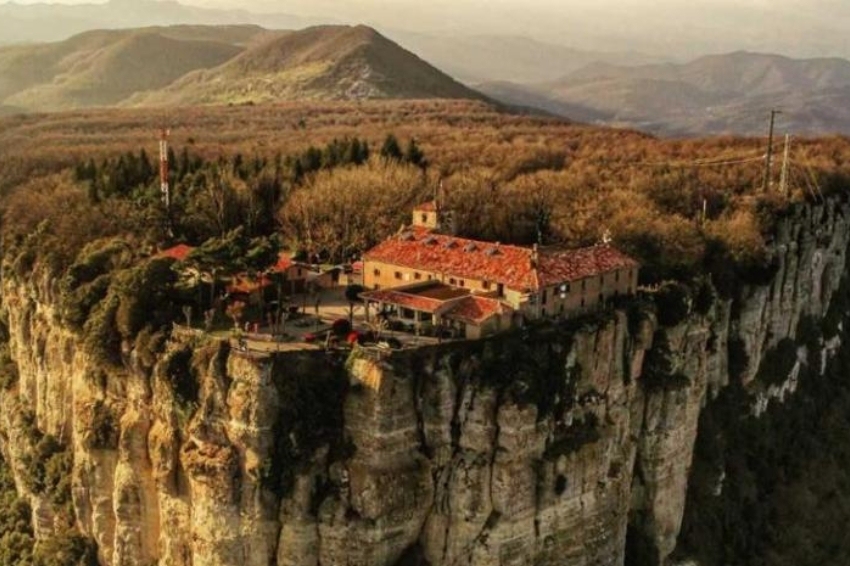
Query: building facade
(529, 282)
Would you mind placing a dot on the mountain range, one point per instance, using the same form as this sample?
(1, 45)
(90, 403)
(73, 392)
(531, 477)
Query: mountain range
(187, 65)
(41, 22)
(219, 56)
(717, 94)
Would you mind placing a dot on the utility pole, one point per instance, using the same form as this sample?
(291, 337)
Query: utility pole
(769, 159)
(164, 186)
(783, 182)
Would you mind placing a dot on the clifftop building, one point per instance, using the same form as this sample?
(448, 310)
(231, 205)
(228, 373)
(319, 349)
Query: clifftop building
(429, 278)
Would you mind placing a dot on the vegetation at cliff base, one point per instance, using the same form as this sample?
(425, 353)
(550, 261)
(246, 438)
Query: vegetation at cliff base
(18, 546)
(774, 490)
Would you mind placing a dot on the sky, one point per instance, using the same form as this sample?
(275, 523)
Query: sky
(672, 27)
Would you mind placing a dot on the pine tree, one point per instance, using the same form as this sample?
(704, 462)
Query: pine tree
(391, 150)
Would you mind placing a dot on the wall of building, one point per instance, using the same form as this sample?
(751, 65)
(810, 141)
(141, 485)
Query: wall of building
(385, 275)
(589, 292)
(582, 295)
(425, 219)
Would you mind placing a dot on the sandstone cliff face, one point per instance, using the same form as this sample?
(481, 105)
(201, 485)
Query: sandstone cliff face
(538, 448)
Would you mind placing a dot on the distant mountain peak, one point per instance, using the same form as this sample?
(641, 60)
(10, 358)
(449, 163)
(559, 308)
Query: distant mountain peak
(328, 62)
(184, 65)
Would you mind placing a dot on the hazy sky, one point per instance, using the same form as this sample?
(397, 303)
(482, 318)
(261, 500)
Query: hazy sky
(795, 27)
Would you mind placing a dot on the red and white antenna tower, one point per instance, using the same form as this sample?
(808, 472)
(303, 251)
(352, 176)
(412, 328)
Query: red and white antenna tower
(163, 168)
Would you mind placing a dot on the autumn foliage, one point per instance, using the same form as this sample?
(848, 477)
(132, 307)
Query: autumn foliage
(333, 179)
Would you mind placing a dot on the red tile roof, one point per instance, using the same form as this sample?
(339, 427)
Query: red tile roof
(558, 266)
(247, 285)
(406, 300)
(475, 310)
(430, 206)
(284, 262)
(511, 266)
(178, 252)
(458, 257)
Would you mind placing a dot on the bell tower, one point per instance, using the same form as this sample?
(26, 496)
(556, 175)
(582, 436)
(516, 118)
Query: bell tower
(434, 216)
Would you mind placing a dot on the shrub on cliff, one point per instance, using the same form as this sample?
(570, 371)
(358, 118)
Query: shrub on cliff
(48, 469)
(68, 548)
(16, 536)
(146, 297)
(777, 362)
(673, 302)
(8, 368)
(658, 369)
(100, 333)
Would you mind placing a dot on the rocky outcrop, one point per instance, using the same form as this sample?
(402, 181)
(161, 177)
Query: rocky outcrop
(549, 446)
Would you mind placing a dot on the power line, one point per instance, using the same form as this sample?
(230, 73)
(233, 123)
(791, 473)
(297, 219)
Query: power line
(732, 160)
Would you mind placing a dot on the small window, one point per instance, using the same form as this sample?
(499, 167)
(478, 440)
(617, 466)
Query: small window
(377, 286)
(452, 281)
(582, 302)
(299, 272)
(398, 274)
(545, 295)
(376, 273)
(616, 276)
(417, 276)
(584, 285)
(424, 218)
(601, 279)
(461, 283)
(601, 298)
(485, 285)
(430, 277)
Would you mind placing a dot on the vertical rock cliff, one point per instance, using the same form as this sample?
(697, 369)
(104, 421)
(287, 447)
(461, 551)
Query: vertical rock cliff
(561, 444)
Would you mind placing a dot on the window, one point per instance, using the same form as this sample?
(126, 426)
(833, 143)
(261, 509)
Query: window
(461, 283)
(485, 285)
(377, 286)
(452, 281)
(398, 274)
(430, 277)
(424, 217)
(299, 272)
(616, 276)
(545, 295)
(584, 286)
(601, 279)
(376, 273)
(582, 302)
(417, 276)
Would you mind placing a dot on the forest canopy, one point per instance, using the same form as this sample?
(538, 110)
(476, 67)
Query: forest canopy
(335, 179)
